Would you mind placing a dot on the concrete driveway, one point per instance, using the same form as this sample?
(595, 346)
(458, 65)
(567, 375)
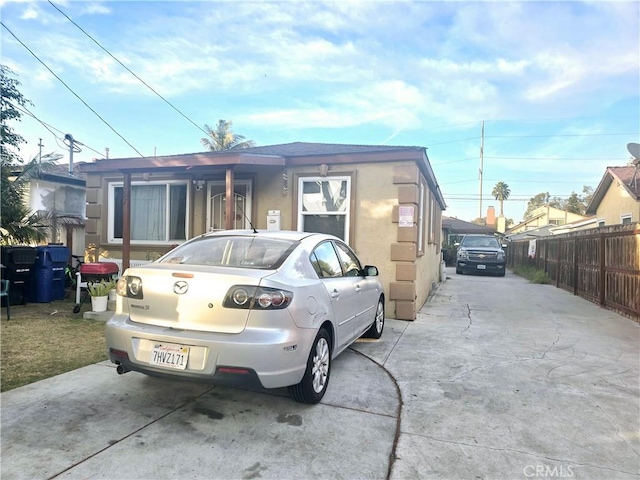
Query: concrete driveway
(497, 378)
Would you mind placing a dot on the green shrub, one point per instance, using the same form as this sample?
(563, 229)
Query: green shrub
(534, 275)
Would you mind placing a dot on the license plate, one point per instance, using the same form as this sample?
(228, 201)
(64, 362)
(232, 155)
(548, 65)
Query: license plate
(482, 267)
(170, 355)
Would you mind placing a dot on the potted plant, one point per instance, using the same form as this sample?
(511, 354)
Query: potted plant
(99, 292)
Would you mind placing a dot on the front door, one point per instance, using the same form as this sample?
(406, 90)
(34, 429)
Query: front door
(216, 204)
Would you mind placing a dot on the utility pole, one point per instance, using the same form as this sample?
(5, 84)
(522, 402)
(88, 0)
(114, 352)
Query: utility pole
(40, 154)
(69, 138)
(481, 166)
(106, 151)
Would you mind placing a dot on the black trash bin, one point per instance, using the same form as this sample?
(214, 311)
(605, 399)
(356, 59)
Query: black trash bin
(18, 262)
(48, 276)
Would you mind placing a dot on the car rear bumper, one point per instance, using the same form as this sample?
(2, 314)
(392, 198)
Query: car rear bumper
(274, 357)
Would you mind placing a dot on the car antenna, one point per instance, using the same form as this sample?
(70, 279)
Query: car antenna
(247, 219)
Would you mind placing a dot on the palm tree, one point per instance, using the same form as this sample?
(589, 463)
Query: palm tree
(223, 138)
(501, 193)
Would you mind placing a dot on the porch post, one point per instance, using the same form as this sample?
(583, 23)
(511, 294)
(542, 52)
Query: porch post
(126, 221)
(229, 209)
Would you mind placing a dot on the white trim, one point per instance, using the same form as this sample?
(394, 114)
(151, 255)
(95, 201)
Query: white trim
(626, 216)
(110, 211)
(347, 201)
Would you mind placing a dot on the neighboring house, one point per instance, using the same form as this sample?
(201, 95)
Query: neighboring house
(543, 216)
(548, 230)
(453, 229)
(60, 196)
(616, 200)
(382, 200)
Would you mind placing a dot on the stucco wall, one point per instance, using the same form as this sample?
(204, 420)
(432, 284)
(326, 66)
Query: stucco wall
(615, 203)
(377, 189)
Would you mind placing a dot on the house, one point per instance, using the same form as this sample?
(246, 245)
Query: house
(59, 196)
(549, 230)
(616, 200)
(543, 216)
(384, 201)
(453, 229)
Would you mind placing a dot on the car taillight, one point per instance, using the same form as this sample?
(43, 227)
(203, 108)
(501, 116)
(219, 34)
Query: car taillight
(130, 287)
(251, 297)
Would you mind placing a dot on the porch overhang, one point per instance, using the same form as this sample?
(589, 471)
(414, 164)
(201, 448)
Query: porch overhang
(181, 162)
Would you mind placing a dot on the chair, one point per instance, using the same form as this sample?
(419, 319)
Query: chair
(4, 292)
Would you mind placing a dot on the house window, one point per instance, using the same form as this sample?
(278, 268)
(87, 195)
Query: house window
(324, 205)
(432, 219)
(625, 219)
(421, 214)
(601, 223)
(158, 212)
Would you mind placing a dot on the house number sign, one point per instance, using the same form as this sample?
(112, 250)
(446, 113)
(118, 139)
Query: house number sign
(406, 216)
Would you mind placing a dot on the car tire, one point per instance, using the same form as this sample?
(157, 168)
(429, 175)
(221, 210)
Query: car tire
(501, 274)
(315, 381)
(375, 331)
(458, 271)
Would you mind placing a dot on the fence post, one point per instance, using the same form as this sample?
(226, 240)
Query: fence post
(575, 265)
(558, 255)
(603, 276)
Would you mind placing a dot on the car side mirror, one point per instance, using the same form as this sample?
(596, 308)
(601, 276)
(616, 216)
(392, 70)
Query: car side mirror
(370, 271)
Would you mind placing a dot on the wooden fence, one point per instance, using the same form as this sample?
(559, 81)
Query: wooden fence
(600, 264)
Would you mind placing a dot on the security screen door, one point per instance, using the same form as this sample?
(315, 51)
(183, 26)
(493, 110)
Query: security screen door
(216, 205)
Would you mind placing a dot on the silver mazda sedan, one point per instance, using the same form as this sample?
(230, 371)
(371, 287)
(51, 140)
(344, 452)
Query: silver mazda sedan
(268, 308)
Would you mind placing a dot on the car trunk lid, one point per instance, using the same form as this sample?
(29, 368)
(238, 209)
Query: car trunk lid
(190, 298)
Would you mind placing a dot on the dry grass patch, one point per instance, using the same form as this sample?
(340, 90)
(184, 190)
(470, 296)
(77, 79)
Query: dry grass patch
(46, 339)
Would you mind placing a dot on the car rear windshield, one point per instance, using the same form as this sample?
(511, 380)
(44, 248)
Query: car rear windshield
(232, 251)
(487, 242)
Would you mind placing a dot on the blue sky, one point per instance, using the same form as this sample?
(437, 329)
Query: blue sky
(557, 84)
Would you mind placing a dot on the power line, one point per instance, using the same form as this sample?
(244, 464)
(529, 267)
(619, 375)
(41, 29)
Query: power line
(71, 90)
(129, 70)
(49, 127)
(558, 158)
(562, 135)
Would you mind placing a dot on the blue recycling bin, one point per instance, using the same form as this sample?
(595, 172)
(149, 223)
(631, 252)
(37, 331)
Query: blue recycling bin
(47, 275)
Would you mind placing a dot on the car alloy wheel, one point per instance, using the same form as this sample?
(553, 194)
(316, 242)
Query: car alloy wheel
(375, 331)
(314, 383)
(320, 369)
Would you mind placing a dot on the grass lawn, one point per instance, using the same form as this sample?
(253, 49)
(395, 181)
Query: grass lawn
(46, 339)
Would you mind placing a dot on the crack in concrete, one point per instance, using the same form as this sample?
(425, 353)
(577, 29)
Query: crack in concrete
(98, 452)
(396, 439)
(522, 452)
(501, 364)
(470, 322)
(553, 344)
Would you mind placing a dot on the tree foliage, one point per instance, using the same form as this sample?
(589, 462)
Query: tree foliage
(575, 203)
(9, 103)
(223, 138)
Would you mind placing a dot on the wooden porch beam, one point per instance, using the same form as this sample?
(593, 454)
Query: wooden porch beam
(230, 201)
(126, 222)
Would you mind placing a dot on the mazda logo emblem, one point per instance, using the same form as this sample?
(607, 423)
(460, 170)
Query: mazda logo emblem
(180, 288)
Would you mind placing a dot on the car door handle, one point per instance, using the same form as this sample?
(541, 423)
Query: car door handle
(358, 289)
(335, 294)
